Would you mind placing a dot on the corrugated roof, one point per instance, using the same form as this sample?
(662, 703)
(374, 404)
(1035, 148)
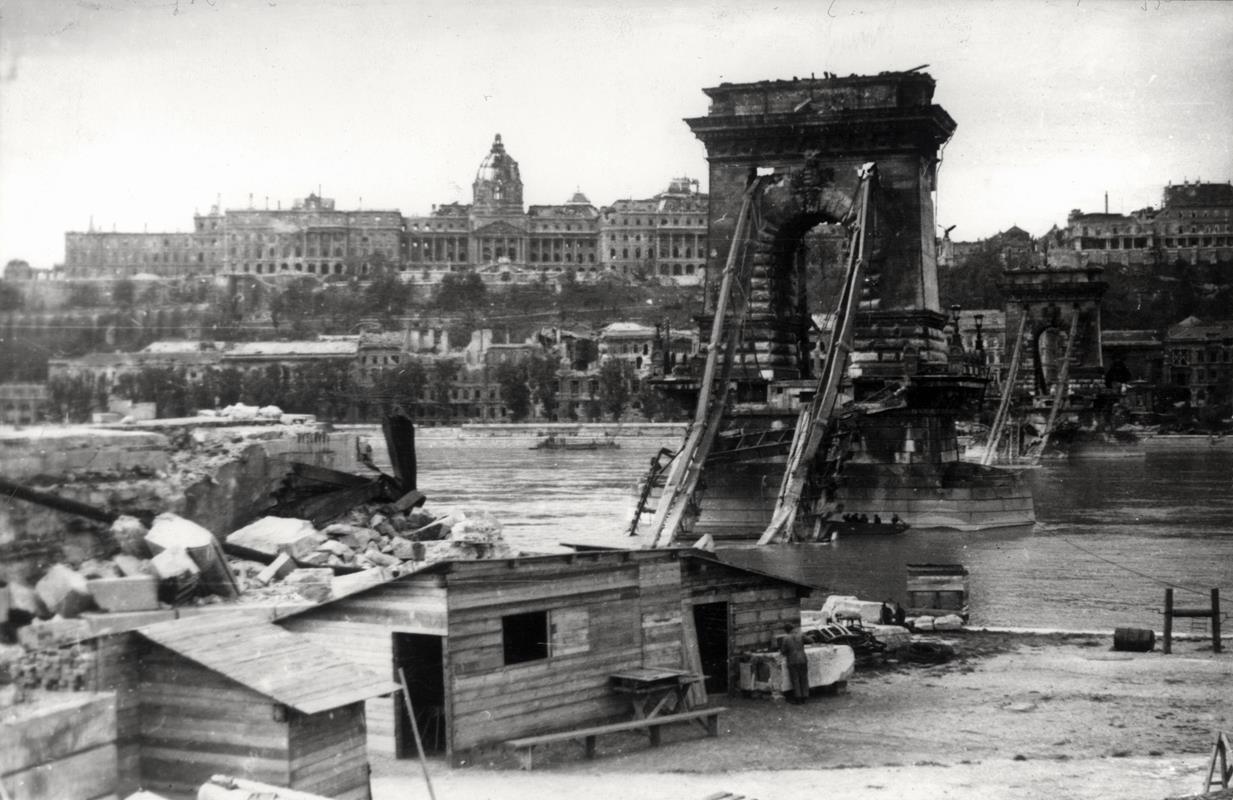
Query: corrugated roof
(269, 660)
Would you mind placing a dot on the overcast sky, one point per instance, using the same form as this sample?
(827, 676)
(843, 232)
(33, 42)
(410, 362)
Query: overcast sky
(140, 112)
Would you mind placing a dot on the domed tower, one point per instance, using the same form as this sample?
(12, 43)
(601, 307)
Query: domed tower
(498, 188)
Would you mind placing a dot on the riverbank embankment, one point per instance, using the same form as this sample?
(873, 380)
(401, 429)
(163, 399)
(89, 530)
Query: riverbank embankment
(1015, 715)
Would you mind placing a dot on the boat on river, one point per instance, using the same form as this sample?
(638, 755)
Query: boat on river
(843, 529)
(554, 442)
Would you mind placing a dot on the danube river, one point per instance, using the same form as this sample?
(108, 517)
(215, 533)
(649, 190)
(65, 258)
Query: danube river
(1111, 534)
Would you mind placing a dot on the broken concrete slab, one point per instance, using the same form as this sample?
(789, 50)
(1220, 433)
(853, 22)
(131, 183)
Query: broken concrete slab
(172, 530)
(273, 535)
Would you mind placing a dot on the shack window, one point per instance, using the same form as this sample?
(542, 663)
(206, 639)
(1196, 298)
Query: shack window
(525, 636)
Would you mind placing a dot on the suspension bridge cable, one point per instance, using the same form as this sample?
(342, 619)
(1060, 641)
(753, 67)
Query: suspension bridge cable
(1152, 578)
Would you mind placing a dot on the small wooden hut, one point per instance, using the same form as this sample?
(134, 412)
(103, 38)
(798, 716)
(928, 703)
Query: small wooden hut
(497, 649)
(225, 693)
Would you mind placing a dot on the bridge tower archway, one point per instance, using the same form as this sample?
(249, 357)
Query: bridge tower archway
(813, 135)
(1054, 300)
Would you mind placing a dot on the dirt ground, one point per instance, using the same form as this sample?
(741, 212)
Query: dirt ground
(1015, 715)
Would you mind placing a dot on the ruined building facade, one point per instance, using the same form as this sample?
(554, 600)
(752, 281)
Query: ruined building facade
(1194, 224)
(663, 235)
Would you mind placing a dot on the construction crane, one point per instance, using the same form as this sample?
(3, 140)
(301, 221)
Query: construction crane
(1008, 391)
(1059, 389)
(815, 419)
(681, 484)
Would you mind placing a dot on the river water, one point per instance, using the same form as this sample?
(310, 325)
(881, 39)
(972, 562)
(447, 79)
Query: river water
(1111, 534)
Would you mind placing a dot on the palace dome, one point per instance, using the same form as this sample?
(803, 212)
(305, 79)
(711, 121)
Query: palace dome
(497, 182)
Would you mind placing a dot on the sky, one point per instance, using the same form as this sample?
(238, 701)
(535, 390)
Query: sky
(138, 113)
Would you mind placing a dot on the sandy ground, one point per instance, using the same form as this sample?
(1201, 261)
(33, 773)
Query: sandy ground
(1022, 716)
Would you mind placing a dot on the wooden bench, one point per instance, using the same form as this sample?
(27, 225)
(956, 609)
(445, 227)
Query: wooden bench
(525, 747)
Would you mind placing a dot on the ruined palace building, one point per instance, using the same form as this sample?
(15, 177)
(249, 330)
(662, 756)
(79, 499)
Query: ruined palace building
(663, 235)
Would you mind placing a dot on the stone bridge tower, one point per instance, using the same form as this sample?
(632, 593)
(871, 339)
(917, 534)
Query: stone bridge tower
(809, 138)
(814, 134)
(1055, 299)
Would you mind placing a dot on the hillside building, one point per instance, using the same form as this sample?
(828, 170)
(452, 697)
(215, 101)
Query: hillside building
(1194, 224)
(664, 235)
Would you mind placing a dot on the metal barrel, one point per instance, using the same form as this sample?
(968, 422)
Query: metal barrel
(1135, 640)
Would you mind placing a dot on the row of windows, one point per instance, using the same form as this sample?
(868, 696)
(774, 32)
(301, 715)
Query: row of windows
(1168, 242)
(1182, 357)
(643, 222)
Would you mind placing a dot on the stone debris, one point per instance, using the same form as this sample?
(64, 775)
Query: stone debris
(64, 591)
(271, 536)
(53, 668)
(328, 534)
(297, 562)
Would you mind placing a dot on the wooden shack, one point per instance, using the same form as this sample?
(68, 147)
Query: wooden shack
(225, 693)
(502, 648)
(734, 609)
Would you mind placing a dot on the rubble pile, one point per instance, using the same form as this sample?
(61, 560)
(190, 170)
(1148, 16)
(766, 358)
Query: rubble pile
(65, 669)
(176, 562)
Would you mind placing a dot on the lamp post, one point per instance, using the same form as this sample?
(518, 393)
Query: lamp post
(980, 343)
(956, 339)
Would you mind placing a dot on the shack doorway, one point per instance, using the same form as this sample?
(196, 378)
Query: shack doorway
(420, 658)
(711, 623)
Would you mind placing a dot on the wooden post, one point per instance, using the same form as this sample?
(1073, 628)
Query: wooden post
(399, 433)
(1168, 621)
(415, 729)
(1215, 620)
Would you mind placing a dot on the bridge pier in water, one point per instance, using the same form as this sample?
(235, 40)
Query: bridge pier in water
(900, 455)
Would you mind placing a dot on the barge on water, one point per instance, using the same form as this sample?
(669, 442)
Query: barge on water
(554, 442)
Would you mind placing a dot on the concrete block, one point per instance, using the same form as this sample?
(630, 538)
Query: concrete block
(133, 593)
(132, 565)
(25, 598)
(64, 591)
(278, 568)
(412, 499)
(273, 535)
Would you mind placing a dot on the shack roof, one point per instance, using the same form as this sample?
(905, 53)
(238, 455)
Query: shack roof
(269, 660)
(593, 555)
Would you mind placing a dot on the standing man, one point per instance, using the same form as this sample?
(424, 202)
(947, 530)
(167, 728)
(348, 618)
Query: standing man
(792, 646)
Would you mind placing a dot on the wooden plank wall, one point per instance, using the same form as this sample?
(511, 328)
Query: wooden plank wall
(489, 701)
(758, 606)
(61, 746)
(116, 671)
(369, 646)
(329, 755)
(411, 605)
(661, 613)
(196, 723)
(360, 629)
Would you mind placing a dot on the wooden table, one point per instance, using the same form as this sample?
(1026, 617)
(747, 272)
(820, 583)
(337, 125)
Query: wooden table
(652, 690)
